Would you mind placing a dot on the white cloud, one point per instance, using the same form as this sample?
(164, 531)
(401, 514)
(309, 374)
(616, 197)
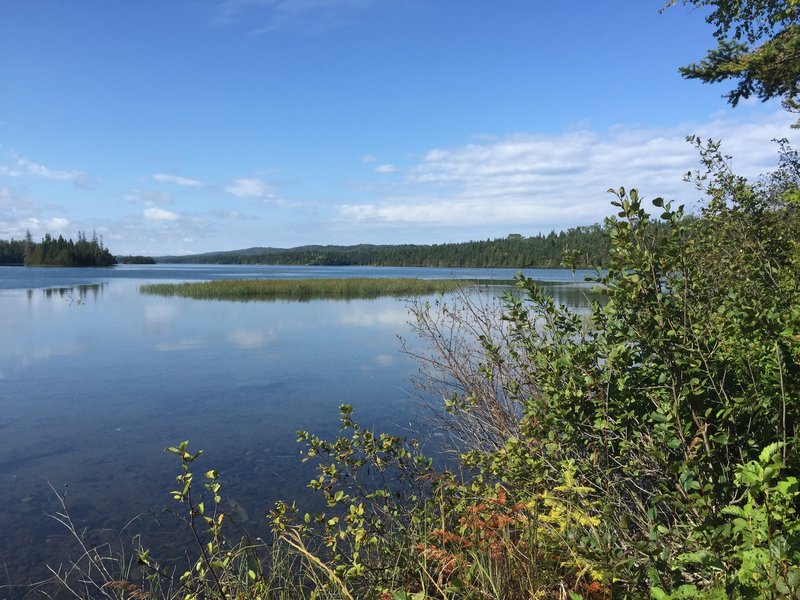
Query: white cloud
(159, 214)
(56, 224)
(177, 180)
(22, 167)
(19, 214)
(387, 168)
(36, 226)
(252, 188)
(368, 158)
(560, 180)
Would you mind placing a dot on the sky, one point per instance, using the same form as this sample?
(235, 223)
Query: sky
(200, 125)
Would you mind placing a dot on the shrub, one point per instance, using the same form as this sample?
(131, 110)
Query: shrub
(659, 401)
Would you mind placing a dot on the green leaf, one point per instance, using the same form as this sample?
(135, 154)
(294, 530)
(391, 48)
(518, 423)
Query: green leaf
(658, 594)
(769, 452)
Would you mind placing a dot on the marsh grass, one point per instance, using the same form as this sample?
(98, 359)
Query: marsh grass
(303, 290)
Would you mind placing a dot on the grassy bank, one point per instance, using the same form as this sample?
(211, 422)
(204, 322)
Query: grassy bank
(302, 289)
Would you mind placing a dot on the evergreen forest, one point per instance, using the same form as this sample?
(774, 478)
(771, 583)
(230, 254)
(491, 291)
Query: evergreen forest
(588, 245)
(12, 252)
(56, 252)
(136, 260)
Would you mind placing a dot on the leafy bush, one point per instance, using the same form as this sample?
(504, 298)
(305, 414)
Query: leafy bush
(659, 401)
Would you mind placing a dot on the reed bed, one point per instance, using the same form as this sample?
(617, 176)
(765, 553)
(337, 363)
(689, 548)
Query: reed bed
(249, 290)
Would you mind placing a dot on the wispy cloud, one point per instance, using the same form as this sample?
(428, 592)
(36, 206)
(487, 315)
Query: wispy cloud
(22, 167)
(556, 181)
(159, 214)
(387, 168)
(178, 180)
(19, 214)
(14, 203)
(41, 226)
(252, 188)
(56, 224)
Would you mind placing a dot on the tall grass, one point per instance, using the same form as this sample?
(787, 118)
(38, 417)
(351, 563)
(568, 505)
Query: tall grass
(246, 290)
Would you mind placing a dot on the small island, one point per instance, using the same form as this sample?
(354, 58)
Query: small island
(56, 252)
(302, 289)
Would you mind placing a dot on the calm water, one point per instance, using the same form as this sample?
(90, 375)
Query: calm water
(96, 379)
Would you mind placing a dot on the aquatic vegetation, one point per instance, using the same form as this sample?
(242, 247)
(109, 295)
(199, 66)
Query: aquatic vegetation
(303, 289)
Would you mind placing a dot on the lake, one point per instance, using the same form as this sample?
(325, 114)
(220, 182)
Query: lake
(97, 379)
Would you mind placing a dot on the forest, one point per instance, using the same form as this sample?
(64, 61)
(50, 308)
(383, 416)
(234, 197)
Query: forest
(56, 252)
(589, 245)
(12, 252)
(136, 260)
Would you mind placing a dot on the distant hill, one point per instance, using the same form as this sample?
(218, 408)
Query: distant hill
(135, 260)
(589, 245)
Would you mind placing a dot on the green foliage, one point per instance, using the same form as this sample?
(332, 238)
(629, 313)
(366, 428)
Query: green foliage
(758, 44)
(66, 253)
(379, 489)
(396, 528)
(12, 252)
(659, 404)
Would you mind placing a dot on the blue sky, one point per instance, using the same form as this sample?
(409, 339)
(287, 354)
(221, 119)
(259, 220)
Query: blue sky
(197, 125)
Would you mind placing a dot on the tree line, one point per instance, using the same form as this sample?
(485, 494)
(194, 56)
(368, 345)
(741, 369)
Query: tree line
(136, 260)
(589, 245)
(56, 252)
(12, 252)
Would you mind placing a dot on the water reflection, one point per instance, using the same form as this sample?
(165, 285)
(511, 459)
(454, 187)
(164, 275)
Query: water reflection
(250, 339)
(571, 294)
(75, 294)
